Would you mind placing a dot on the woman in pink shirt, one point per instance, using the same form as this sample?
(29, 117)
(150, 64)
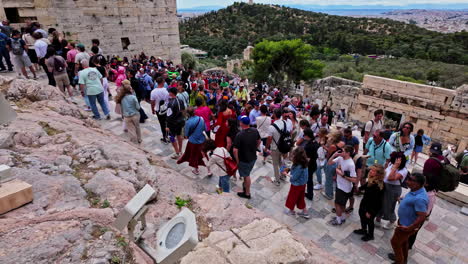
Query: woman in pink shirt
(205, 113)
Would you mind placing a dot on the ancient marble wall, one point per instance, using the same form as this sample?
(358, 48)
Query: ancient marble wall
(442, 113)
(124, 27)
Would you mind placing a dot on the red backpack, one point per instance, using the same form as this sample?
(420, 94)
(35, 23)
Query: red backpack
(230, 163)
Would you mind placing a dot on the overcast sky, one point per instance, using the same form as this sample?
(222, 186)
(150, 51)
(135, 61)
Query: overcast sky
(193, 3)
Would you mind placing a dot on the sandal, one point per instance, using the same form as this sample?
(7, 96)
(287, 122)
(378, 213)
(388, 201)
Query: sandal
(196, 172)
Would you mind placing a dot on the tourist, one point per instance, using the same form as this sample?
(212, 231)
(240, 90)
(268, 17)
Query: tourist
(194, 128)
(373, 125)
(274, 133)
(130, 111)
(71, 54)
(216, 164)
(387, 132)
(254, 113)
(321, 159)
(395, 175)
(221, 126)
(411, 215)
(121, 76)
(311, 147)
(81, 55)
(346, 176)
(37, 28)
(175, 121)
(245, 152)
(58, 67)
(197, 93)
(204, 112)
(159, 98)
(263, 123)
(5, 27)
(183, 95)
(4, 53)
(18, 48)
(462, 161)
(419, 141)
(40, 46)
(233, 129)
(303, 124)
(350, 140)
(146, 83)
(241, 92)
(403, 140)
(333, 145)
(371, 202)
(299, 175)
(342, 115)
(323, 123)
(90, 80)
(96, 43)
(378, 150)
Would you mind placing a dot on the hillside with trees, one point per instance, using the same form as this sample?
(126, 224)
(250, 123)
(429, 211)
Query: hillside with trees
(228, 31)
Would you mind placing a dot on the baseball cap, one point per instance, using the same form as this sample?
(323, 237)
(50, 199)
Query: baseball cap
(80, 45)
(436, 148)
(244, 119)
(268, 98)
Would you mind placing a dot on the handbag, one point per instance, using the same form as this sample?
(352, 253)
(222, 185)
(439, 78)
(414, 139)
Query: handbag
(229, 163)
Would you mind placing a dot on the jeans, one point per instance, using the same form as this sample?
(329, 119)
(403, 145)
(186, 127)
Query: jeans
(224, 183)
(330, 171)
(318, 173)
(100, 99)
(5, 54)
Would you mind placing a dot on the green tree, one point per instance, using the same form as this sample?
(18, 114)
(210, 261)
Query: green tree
(285, 62)
(189, 60)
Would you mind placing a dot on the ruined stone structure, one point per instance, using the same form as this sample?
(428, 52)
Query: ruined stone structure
(442, 113)
(124, 27)
(237, 63)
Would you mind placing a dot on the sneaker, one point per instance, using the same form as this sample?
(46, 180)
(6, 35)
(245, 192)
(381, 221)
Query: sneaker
(318, 186)
(87, 109)
(175, 156)
(243, 195)
(389, 225)
(283, 178)
(108, 117)
(349, 210)
(391, 256)
(165, 141)
(326, 196)
(305, 215)
(309, 197)
(289, 212)
(277, 183)
(360, 232)
(378, 223)
(2, 71)
(367, 238)
(335, 222)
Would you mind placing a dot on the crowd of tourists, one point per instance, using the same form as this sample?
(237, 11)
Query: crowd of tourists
(229, 124)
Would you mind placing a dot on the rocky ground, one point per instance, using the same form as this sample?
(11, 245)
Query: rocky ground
(83, 175)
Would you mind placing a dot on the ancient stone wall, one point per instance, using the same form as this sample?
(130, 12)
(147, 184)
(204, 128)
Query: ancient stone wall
(442, 113)
(124, 27)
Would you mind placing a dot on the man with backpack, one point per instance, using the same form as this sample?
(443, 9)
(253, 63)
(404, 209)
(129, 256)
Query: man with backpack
(146, 83)
(439, 172)
(278, 143)
(378, 150)
(175, 121)
(58, 67)
(18, 48)
(372, 126)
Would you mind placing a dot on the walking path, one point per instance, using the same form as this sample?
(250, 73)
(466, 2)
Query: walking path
(441, 240)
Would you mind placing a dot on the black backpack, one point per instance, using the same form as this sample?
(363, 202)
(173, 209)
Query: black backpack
(285, 142)
(449, 176)
(363, 130)
(59, 66)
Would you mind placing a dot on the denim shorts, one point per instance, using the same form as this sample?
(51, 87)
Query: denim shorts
(224, 183)
(245, 168)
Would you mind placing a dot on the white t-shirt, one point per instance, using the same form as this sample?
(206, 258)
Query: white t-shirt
(81, 56)
(346, 165)
(273, 132)
(289, 124)
(317, 126)
(371, 129)
(403, 173)
(263, 125)
(158, 95)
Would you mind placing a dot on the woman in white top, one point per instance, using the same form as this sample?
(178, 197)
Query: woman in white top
(263, 123)
(216, 165)
(29, 40)
(395, 175)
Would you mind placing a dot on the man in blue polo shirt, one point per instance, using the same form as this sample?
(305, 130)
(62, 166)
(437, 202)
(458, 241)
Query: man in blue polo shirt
(411, 215)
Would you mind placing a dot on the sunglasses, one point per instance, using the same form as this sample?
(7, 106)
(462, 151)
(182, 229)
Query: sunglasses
(407, 127)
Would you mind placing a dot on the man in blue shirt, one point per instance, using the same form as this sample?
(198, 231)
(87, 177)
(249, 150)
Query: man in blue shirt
(411, 216)
(4, 53)
(378, 149)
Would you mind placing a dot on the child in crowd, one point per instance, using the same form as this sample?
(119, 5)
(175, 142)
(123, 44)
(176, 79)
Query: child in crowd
(371, 202)
(216, 165)
(299, 176)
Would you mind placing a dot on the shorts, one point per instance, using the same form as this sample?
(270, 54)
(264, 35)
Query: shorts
(341, 197)
(62, 80)
(359, 164)
(245, 168)
(418, 149)
(175, 130)
(22, 61)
